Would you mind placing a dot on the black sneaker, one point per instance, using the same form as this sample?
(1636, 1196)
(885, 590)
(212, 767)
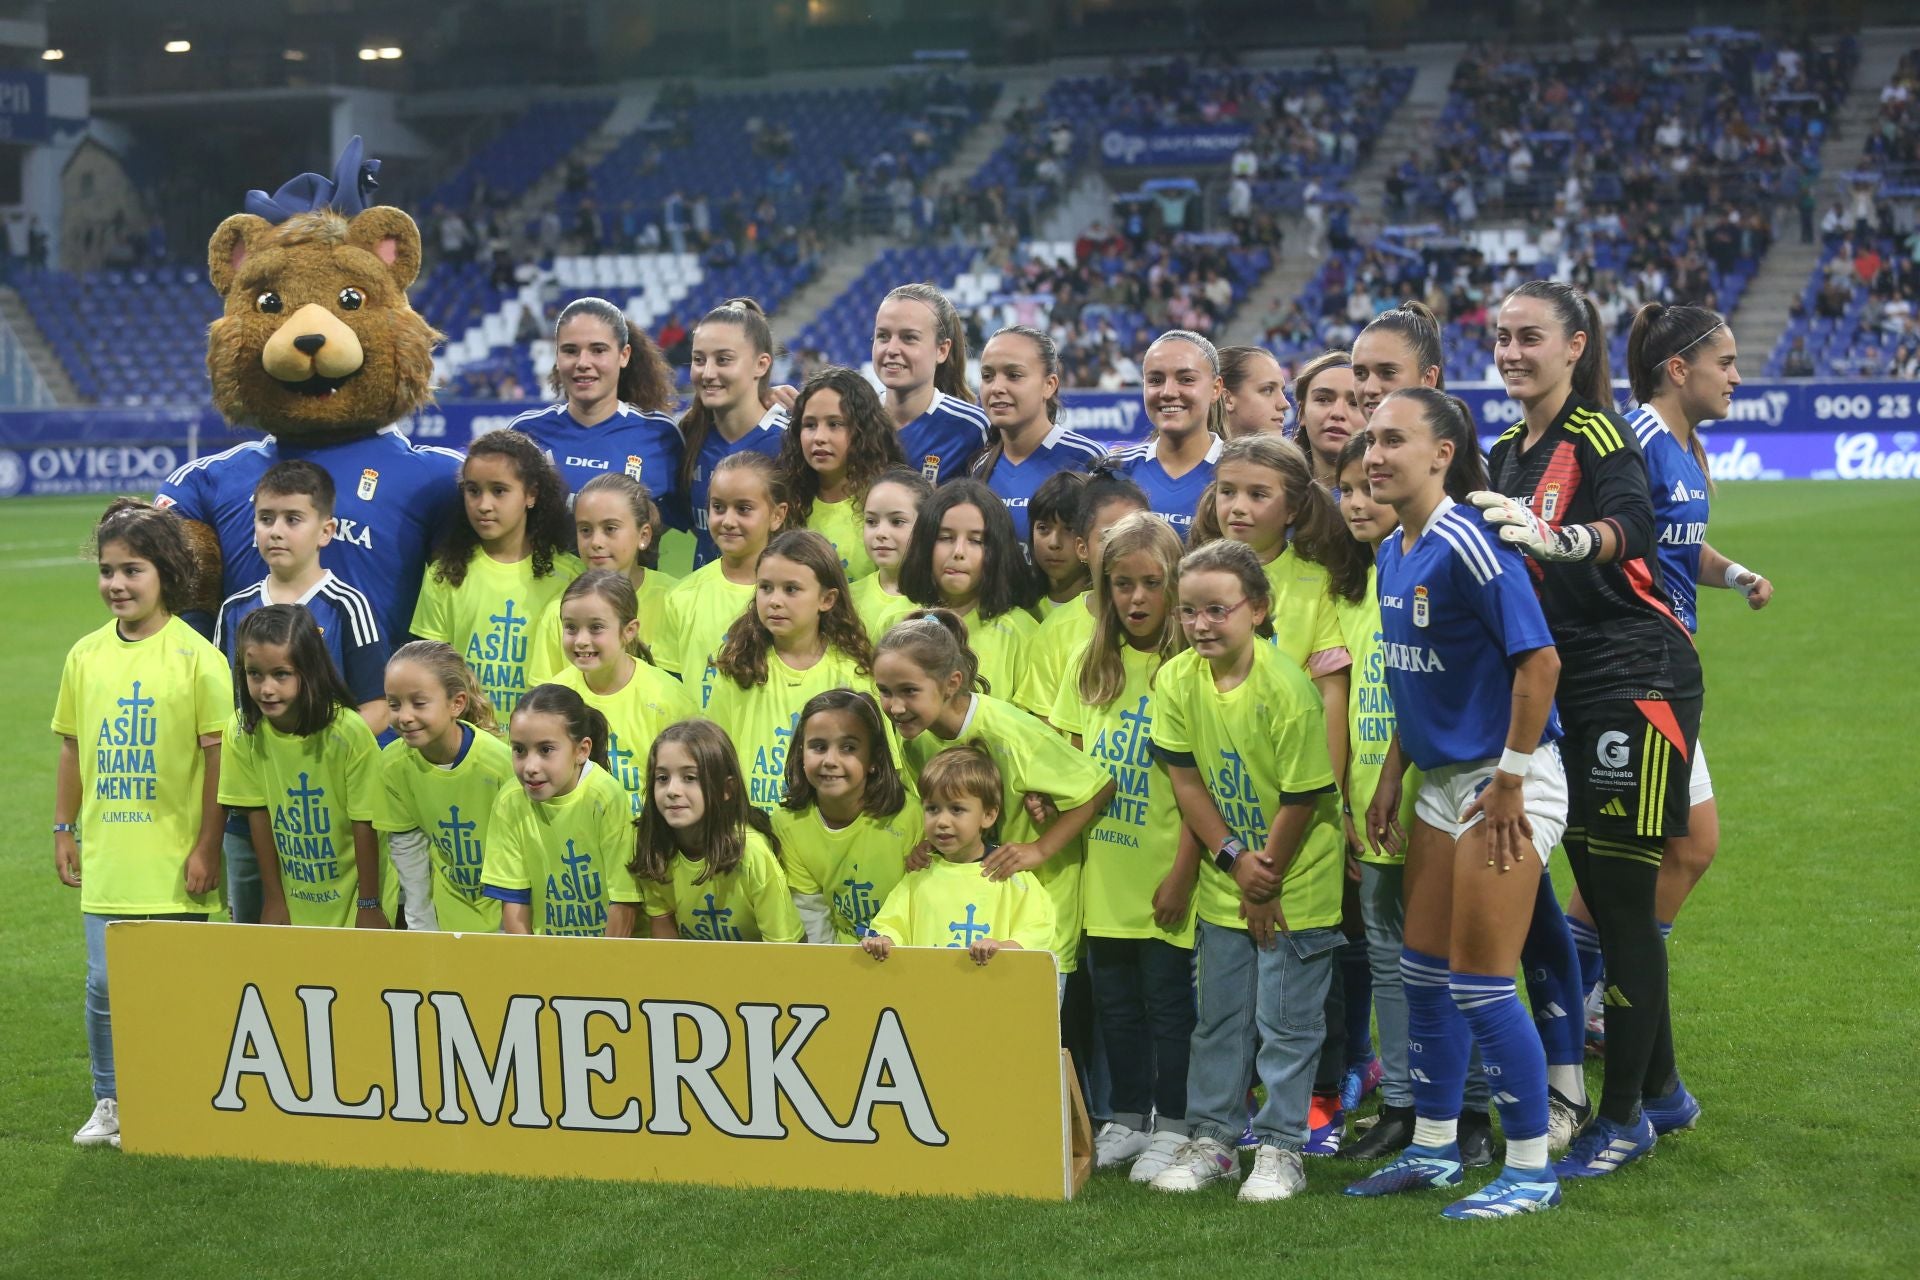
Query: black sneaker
(1476, 1139)
(1390, 1135)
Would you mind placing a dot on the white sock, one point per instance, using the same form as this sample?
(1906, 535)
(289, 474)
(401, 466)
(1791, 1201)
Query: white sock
(1435, 1133)
(1570, 1082)
(1528, 1154)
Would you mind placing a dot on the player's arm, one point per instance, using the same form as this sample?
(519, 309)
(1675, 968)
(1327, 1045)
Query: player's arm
(1716, 570)
(66, 812)
(621, 917)
(1623, 530)
(665, 928)
(1536, 674)
(1335, 689)
(204, 859)
(366, 865)
(1009, 859)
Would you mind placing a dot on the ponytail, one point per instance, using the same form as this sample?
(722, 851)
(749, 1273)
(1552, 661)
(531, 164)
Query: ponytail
(1592, 375)
(1217, 409)
(1449, 419)
(581, 720)
(1660, 334)
(1049, 368)
(1315, 530)
(950, 375)
(1414, 324)
(936, 642)
(751, 319)
(444, 663)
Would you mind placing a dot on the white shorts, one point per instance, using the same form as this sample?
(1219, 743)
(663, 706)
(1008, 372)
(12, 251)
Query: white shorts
(1446, 792)
(1700, 788)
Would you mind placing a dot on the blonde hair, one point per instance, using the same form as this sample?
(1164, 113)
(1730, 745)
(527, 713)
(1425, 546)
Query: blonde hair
(444, 663)
(1104, 675)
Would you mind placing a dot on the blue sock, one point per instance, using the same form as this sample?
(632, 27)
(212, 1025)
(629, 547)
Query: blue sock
(1666, 929)
(1552, 965)
(1512, 1053)
(1437, 1037)
(1357, 974)
(1593, 967)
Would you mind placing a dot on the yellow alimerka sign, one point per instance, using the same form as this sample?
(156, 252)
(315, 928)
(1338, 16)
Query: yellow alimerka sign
(742, 1064)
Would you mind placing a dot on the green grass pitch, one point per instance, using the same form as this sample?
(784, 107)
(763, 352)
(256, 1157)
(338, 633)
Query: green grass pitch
(1794, 980)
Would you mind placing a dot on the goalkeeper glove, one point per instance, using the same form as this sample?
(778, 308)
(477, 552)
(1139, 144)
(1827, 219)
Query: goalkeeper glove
(1519, 526)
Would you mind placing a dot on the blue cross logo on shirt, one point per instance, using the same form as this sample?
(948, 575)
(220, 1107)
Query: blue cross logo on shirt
(141, 730)
(509, 624)
(857, 904)
(964, 930)
(713, 922)
(460, 846)
(573, 882)
(313, 818)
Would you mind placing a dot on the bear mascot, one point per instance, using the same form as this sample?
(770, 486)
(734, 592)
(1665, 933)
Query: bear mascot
(319, 349)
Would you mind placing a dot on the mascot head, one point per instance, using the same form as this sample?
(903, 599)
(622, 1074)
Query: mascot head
(317, 340)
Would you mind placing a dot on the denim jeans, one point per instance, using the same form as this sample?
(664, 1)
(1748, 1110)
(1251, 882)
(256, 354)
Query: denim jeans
(243, 878)
(1385, 915)
(99, 1009)
(1247, 998)
(1143, 1000)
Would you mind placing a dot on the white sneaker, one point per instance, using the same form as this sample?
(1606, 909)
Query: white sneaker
(1277, 1174)
(1565, 1120)
(102, 1127)
(1197, 1162)
(1116, 1144)
(1158, 1155)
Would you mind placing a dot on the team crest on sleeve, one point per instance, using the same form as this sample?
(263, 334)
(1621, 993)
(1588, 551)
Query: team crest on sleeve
(1550, 501)
(634, 465)
(369, 481)
(930, 467)
(1420, 606)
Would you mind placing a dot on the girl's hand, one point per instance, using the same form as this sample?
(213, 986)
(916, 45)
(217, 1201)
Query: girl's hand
(1509, 834)
(1353, 867)
(1383, 817)
(1040, 807)
(1265, 921)
(1253, 872)
(1010, 859)
(371, 918)
(66, 859)
(1759, 591)
(877, 945)
(273, 910)
(203, 870)
(921, 857)
(785, 396)
(984, 950)
(1171, 900)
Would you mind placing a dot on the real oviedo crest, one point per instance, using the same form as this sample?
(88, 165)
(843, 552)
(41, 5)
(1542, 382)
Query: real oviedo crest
(1420, 606)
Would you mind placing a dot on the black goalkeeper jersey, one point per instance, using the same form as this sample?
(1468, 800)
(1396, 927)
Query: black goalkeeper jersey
(1617, 635)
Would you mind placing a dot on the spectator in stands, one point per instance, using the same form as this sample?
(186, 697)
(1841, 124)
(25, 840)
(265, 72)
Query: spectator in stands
(1866, 262)
(456, 240)
(674, 341)
(1833, 223)
(1832, 301)
(673, 211)
(1799, 361)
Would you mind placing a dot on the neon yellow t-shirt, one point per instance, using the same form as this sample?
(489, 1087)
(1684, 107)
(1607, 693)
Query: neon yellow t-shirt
(1305, 619)
(1032, 758)
(314, 789)
(1370, 719)
(1265, 736)
(1131, 845)
(853, 868)
(1001, 643)
(547, 651)
(568, 855)
(751, 903)
(843, 524)
(763, 720)
(877, 609)
(136, 712)
(1052, 657)
(452, 807)
(649, 702)
(699, 611)
(489, 619)
(951, 904)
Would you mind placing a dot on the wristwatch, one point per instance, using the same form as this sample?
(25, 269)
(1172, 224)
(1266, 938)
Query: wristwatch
(1228, 854)
(367, 904)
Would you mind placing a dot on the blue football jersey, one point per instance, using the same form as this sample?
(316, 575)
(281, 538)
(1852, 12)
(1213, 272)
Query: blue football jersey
(1679, 490)
(394, 500)
(1172, 499)
(633, 442)
(1454, 611)
(1061, 450)
(944, 442)
(764, 438)
(348, 627)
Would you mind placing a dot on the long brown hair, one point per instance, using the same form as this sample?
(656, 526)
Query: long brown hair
(886, 792)
(645, 380)
(1103, 676)
(1661, 333)
(583, 722)
(873, 445)
(722, 835)
(549, 525)
(1592, 374)
(697, 422)
(743, 655)
(1315, 530)
(157, 537)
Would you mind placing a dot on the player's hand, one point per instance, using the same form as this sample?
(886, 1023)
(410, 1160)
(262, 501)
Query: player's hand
(203, 870)
(1383, 817)
(785, 396)
(920, 857)
(273, 910)
(371, 918)
(1266, 924)
(1010, 859)
(1758, 590)
(984, 950)
(1171, 899)
(877, 945)
(1040, 808)
(1509, 833)
(1519, 526)
(1253, 872)
(66, 859)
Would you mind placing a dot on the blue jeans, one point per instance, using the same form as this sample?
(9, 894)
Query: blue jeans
(1143, 1003)
(1270, 1000)
(1384, 912)
(99, 1009)
(243, 877)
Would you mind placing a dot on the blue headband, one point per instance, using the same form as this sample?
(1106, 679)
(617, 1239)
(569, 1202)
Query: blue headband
(347, 192)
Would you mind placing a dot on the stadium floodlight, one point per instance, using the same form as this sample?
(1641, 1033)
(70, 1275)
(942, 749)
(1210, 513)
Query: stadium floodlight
(52, 55)
(388, 53)
(178, 46)
(369, 55)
